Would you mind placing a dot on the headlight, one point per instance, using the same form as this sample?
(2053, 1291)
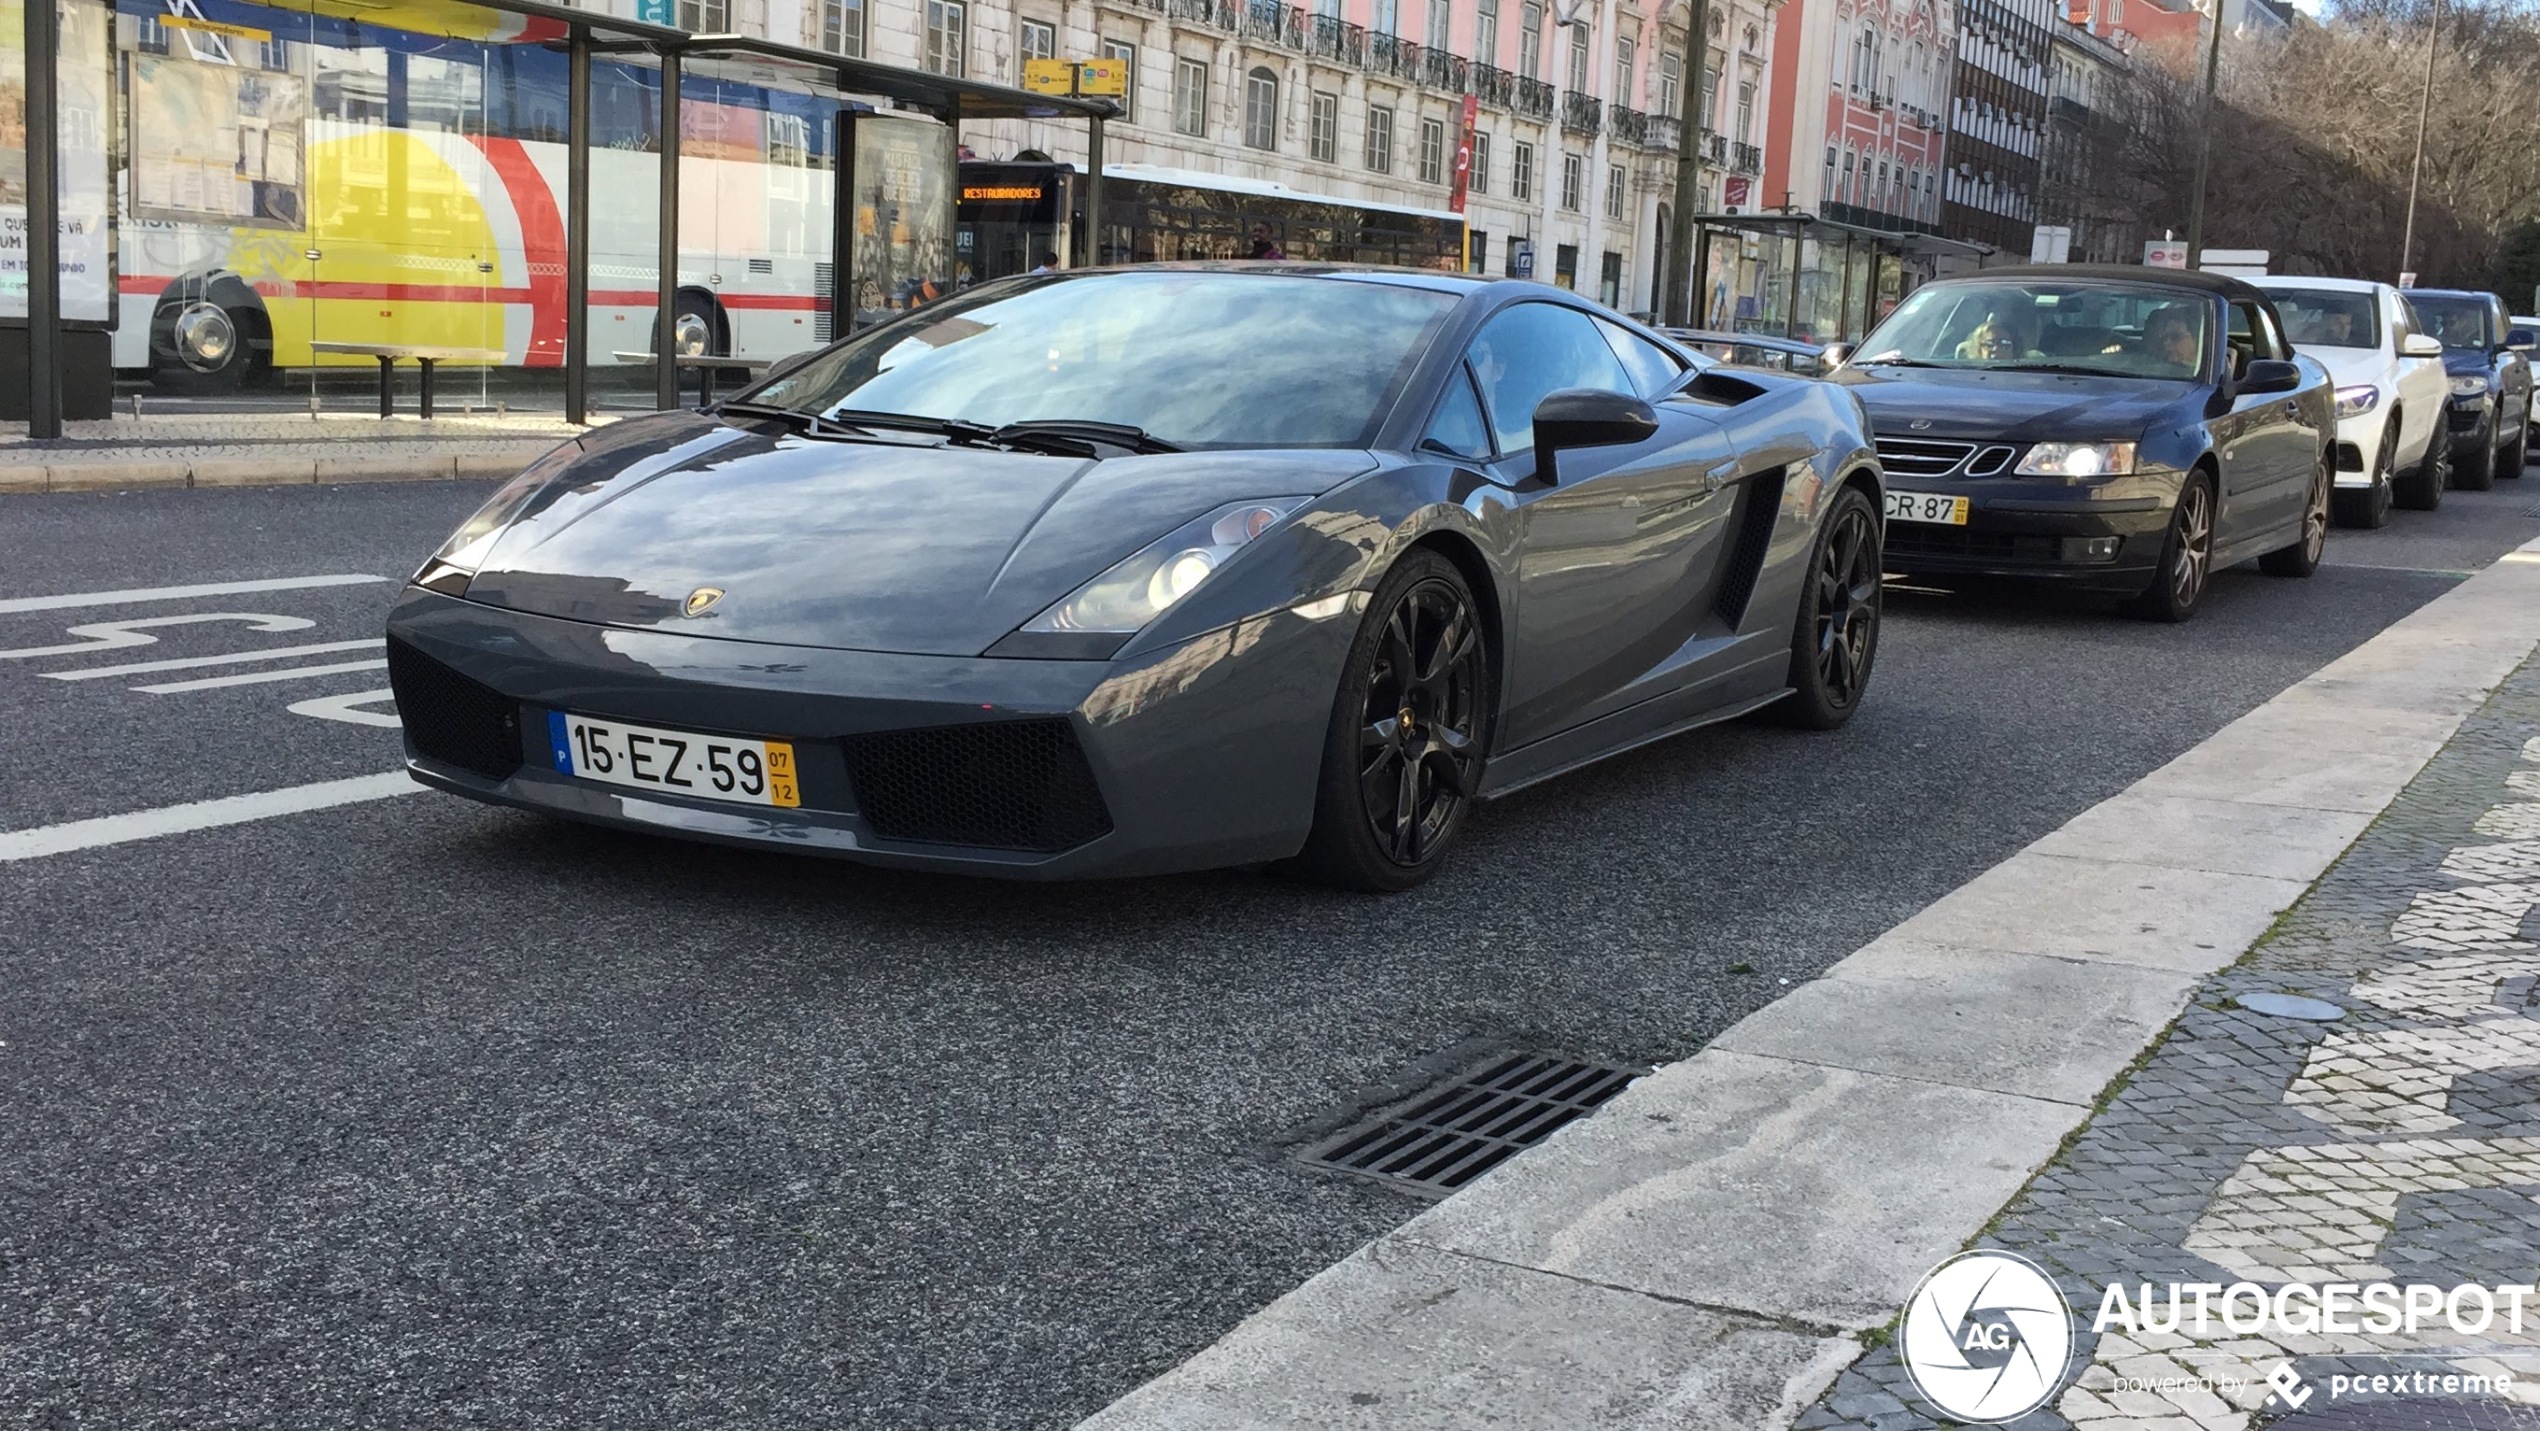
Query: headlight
(2469, 385)
(1147, 584)
(2357, 400)
(454, 564)
(2078, 459)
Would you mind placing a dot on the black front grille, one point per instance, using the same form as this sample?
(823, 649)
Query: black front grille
(1009, 785)
(2467, 419)
(451, 718)
(1444, 1139)
(1906, 540)
(1914, 458)
(1991, 460)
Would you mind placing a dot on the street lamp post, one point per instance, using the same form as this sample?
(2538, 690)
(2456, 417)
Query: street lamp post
(1678, 309)
(2204, 141)
(2416, 166)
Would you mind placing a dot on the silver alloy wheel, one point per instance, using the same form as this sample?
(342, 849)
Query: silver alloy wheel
(692, 336)
(2195, 544)
(2315, 520)
(205, 337)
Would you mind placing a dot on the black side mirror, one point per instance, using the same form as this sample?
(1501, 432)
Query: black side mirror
(2270, 375)
(1588, 417)
(2522, 340)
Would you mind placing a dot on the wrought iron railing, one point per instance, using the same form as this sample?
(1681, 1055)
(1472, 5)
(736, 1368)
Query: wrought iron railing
(1746, 159)
(1629, 125)
(1665, 130)
(1495, 87)
(1440, 70)
(1581, 113)
(1534, 97)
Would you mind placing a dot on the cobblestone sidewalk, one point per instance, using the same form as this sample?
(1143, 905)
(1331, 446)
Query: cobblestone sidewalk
(267, 449)
(2400, 1142)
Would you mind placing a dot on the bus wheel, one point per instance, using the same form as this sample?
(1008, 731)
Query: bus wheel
(692, 333)
(203, 347)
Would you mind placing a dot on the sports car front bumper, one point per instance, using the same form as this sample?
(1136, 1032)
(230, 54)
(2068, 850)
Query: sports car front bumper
(1200, 755)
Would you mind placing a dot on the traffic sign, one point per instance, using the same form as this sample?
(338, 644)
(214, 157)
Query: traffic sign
(1049, 76)
(1110, 77)
(1733, 192)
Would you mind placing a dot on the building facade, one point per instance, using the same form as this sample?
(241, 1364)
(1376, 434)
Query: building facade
(2084, 132)
(1997, 123)
(1857, 133)
(1574, 155)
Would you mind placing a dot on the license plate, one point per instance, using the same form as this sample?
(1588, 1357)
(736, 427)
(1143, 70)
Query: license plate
(1926, 507)
(643, 757)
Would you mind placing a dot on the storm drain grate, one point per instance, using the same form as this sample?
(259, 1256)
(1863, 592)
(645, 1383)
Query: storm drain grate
(1445, 1138)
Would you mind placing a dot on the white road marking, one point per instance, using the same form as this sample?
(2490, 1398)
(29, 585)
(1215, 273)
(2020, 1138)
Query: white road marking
(257, 678)
(234, 658)
(13, 605)
(349, 708)
(199, 815)
(116, 635)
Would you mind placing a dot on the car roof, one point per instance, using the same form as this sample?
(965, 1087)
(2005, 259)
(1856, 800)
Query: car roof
(2221, 285)
(2274, 281)
(1428, 278)
(2480, 294)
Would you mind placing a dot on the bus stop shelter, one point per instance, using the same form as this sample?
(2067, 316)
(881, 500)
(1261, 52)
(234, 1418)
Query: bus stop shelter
(1796, 275)
(77, 61)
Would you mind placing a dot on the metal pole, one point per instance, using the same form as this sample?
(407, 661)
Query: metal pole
(2416, 166)
(2204, 143)
(1678, 282)
(666, 314)
(43, 224)
(577, 230)
(1092, 240)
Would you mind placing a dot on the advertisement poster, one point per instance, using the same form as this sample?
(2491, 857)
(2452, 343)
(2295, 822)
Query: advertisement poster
(217, 143)
(1464, 153)
(86, 187)
(900, 180)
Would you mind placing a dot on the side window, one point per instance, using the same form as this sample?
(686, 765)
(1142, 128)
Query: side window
(1458, 427)
(1529, 353)
(1653, 369)
(2244, 336)
(2271, 342)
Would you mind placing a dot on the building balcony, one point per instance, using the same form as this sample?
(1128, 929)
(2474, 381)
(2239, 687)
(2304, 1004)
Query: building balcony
(1629, 125)
(1665, 131)
(1440, 70)
(1495, 87)
(1533, 99)
(1746, 159)
(1860, 217)
(1715, 148)
(1581, 113)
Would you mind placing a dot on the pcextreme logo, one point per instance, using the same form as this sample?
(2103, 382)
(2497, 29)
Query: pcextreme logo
(1987, 1337)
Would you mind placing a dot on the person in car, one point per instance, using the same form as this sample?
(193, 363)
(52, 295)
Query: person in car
(1994, 340)
(2171, 338)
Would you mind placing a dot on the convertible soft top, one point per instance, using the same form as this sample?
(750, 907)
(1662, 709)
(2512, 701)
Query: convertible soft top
(2223, 285)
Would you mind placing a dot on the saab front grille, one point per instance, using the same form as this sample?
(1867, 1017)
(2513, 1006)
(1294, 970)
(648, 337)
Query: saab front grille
(1444, 1139)
(1904, 458)
(1907, 540)
(1008, 785)
(452, 719)
(1761, 507)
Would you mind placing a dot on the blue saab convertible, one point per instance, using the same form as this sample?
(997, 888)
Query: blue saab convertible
(2122, 430)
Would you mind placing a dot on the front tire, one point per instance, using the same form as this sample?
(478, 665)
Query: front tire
(2303, 557)
(2370, 507)
(1410, 727)
(2423, 491)
(2517, 454)
(2178, 585)
(207, 349)
(2477, 472)
(1834, 637)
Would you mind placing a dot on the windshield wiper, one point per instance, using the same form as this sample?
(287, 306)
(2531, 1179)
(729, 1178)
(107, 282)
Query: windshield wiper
(1892, 360)
(1112, 434)
(810, 422)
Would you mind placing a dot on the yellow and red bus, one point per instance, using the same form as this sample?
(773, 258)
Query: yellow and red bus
(357, 172)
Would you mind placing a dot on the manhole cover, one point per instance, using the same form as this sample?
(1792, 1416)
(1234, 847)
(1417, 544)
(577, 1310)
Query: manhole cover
(2292, 1006)
(1446, 1137)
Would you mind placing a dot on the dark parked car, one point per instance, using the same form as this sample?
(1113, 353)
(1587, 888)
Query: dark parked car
(1754, 350)
(2124, 430)
(2489, 362)
(1159, 568)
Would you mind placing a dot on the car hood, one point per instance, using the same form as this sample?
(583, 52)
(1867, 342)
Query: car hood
(875, 546)
(2349, 366)
(2466, 362)
(2010, 406)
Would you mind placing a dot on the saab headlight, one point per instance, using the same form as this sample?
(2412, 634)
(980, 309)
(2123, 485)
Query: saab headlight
(2078, 459)
(2357, 400)
(454, 564)
(1150, 581)
(2469, 385)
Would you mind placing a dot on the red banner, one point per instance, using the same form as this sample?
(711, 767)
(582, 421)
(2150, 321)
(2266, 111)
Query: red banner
(1464, 151)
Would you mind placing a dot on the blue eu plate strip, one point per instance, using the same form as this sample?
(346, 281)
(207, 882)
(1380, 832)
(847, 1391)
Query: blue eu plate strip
(560, 741)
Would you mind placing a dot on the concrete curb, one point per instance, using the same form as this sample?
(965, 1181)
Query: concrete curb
(1702, 1251)
(311, 464)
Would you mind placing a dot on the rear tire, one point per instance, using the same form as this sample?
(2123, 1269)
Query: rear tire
(2370, 507)
(1410, 728)
(2178, 584)
(2423, 490)
(2303, 557)
(208, 349)
(1834, 638)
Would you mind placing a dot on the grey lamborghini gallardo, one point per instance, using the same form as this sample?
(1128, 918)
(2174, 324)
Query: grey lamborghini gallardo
(1122, 571)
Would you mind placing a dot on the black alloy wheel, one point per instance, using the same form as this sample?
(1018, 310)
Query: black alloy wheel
(2303, 557)
(1408, 736)
(2370, 507)
(2477, 471)
(2179, 584)
(1835, 639)
(2423, 491)
(2517, 453)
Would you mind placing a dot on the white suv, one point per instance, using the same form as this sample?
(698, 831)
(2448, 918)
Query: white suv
(2390, 390)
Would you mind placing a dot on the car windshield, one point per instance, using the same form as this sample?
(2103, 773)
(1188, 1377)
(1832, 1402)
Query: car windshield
(2328, 317)
(1195, 359)
(2130, 330)
(2454, 322)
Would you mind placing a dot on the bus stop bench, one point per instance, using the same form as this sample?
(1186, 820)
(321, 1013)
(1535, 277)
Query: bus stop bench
(704, 363)
(424, 356)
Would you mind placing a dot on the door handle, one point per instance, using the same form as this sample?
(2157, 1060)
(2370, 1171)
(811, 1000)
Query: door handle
(2293, 409)
(1718, 475)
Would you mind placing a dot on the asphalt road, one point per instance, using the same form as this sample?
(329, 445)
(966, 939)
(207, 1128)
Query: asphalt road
(415, 1113)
